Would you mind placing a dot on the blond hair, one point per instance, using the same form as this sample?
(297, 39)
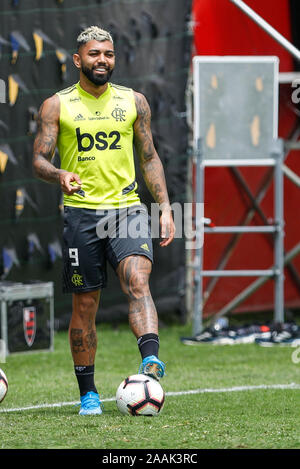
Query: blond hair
(93, 33)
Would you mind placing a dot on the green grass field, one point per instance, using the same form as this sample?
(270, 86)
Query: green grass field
(247, 418)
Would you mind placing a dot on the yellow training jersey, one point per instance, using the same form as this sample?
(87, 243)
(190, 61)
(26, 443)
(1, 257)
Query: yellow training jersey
(96, 142)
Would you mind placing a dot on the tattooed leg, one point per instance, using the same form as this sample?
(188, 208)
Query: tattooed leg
(134, 272)
(82, 328)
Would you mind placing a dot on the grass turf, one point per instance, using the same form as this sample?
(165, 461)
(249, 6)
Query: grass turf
(263, 418)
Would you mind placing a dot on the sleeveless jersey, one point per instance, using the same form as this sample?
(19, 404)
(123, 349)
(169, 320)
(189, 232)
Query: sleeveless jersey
(96, 142)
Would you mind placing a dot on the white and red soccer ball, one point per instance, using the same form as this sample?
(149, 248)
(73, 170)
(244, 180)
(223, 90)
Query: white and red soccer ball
(3, 385)
(140, 395)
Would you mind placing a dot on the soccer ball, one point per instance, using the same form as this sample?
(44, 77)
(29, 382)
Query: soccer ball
(3, 385)
(140, 395)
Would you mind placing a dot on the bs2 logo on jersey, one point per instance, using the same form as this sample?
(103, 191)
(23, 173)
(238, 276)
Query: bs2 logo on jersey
(86, 141)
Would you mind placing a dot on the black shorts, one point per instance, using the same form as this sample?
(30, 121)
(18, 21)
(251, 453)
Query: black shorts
(93, 237)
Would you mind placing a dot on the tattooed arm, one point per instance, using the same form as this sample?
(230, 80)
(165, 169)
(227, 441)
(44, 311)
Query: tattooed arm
(151, 167)
(44, 147)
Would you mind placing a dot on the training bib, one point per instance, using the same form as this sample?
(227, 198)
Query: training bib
(96, 142)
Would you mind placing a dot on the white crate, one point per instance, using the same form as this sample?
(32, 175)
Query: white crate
(26, 316)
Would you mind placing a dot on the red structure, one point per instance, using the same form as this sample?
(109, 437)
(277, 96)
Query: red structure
(220, 28)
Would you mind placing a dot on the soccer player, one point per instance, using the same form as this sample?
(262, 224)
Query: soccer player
(94, 125)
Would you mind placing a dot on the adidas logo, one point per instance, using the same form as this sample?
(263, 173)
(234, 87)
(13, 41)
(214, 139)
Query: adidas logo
(79, 117)
(145, 246)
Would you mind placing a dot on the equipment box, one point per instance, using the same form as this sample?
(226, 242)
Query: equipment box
(26, 316)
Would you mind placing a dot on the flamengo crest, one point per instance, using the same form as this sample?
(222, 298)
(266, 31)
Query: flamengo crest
(119, 114)
(29, 324)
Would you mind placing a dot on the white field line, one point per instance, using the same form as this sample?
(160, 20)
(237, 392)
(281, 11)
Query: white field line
(177, 393)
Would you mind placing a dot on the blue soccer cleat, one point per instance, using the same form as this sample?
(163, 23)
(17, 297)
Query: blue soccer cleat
(90, 404)
(152, 366)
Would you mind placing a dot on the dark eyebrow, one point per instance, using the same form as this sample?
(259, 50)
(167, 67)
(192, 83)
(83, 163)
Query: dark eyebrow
(97, 50)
